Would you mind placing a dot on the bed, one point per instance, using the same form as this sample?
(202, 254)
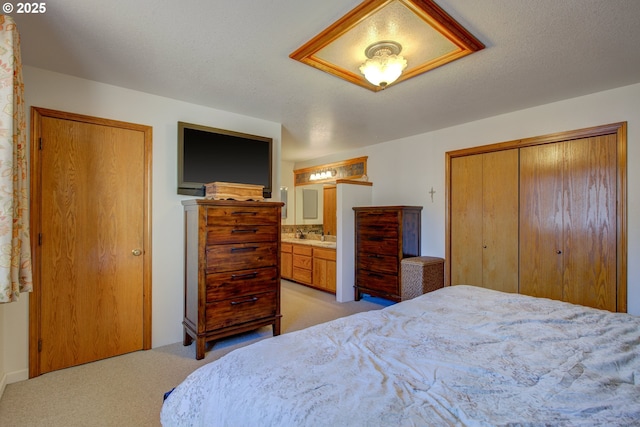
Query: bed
(460, 355)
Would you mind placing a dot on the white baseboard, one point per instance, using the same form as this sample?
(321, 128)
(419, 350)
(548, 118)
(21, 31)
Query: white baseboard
(3, 384)
(14, 377)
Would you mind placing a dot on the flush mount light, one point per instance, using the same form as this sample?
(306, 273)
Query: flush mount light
(429, 38)
(384, 65)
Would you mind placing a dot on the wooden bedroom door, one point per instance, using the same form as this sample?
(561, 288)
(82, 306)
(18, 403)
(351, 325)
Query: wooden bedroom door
(91, 200)
(484, 220)
(568, 221)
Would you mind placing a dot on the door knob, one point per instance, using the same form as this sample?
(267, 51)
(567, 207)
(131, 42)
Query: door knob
(136, 252)
(558, 252)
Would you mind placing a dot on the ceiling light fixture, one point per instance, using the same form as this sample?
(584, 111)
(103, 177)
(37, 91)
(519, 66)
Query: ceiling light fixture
(384, 65)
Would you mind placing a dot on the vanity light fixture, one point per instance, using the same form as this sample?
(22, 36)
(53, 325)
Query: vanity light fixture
(385, 64)
(324, 174)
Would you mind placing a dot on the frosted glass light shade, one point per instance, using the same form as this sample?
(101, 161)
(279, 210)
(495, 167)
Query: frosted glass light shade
(383, 69)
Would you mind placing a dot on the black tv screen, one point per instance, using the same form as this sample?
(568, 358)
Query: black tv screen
(208, 154)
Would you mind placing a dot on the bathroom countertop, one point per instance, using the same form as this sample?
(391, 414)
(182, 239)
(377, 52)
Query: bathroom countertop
(310, 242)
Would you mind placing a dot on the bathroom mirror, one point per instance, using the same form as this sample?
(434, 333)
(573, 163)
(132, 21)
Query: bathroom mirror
(308, 204)
(283, 198)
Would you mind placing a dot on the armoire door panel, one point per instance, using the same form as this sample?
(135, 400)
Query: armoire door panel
(590, 222)
(500, 220)
(541, 209)
(466, 220)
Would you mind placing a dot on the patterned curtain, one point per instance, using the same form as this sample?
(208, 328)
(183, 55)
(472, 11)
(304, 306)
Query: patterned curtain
(15, 250)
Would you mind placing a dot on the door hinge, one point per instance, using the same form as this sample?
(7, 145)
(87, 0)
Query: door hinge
(40, 143)
(39, 239)
(39, 345)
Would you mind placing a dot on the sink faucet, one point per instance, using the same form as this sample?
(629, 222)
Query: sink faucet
(299, 234)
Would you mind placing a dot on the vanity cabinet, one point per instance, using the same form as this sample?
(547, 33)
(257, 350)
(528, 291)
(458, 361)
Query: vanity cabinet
(309, 265)
(286, 261)
(384, 236)
(232, 269)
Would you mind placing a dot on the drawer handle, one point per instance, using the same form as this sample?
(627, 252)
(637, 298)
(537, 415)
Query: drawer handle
(244, 213)
(247, 249)
(252, 230)
(254, 299)
(244, 276)
(374, 256)
(377, 276)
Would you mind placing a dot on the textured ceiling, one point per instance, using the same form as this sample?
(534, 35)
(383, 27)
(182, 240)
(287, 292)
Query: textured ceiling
(234, 56)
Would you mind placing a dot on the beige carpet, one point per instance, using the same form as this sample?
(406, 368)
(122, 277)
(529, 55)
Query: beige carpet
(127, 390)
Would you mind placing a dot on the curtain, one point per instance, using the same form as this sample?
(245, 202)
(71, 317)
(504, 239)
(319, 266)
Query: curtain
(15, 250)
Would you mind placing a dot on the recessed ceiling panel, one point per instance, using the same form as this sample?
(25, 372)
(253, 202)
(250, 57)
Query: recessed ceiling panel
(429, 38)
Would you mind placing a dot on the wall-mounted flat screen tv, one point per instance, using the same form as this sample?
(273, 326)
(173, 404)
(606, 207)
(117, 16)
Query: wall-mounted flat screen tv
(208, 154)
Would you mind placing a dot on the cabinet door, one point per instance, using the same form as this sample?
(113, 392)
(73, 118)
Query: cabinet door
(329, 218)
(286, 265)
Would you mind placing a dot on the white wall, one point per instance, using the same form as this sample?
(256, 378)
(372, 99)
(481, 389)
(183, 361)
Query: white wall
(423, 162)
(66, 93)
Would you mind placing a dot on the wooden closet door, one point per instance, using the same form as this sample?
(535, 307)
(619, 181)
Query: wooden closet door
(590, 222)
(568, 221)
(466, 220)
(500, 220)
(484, 220)
(541, 210)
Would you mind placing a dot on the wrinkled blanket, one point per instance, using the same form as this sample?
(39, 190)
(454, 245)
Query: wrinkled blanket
(457, 356)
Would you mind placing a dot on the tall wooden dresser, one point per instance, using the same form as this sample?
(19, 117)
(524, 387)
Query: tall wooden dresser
(232, 269)
(384, 236)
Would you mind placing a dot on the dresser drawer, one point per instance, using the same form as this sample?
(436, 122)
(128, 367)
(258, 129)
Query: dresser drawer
(377, 220)
(241, 215)
(220, 234)
(378, 243)
(238, 256)
(378, 263)
(239, 310)
(242, 282)
(380, 282)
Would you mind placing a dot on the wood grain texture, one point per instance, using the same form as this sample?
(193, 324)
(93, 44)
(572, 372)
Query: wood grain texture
(466, 220)
(500, 206)
(541, 204)
(329, 209)
(92, 285)
(548, 214)
(590, 222)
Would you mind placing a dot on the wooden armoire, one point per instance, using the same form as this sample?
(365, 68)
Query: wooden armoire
(543, 216)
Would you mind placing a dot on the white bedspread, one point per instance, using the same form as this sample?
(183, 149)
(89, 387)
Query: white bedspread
(458, 356)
